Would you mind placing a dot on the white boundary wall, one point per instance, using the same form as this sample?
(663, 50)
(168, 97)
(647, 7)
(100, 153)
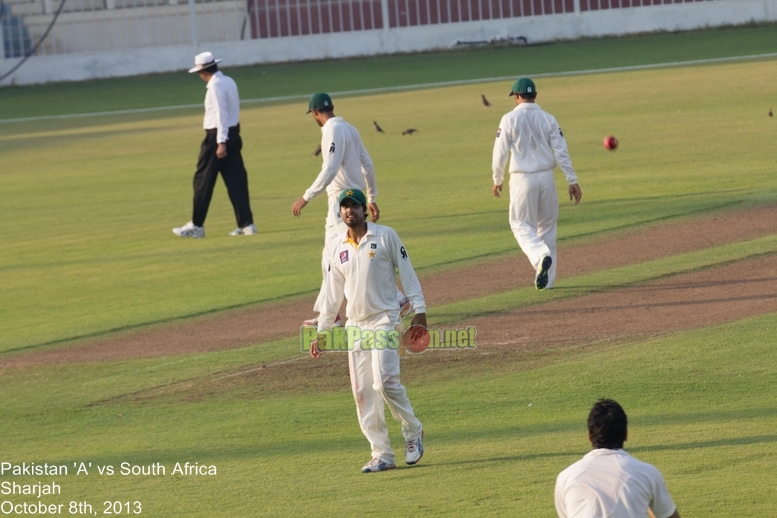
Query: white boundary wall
(677, 17)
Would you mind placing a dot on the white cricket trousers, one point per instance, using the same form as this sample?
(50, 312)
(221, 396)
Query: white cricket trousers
(375, 380)
(334, 227)
(534, 215)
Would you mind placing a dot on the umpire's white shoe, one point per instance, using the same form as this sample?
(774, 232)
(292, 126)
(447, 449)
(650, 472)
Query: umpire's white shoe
(414, 450)
(376, 465)
(541, 280)
(189, 230)
(250, 230)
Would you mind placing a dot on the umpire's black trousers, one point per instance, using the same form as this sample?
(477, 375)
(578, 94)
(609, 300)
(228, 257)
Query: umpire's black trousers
(232, 170)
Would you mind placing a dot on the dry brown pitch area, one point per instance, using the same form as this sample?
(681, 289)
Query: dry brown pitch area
(684, 301)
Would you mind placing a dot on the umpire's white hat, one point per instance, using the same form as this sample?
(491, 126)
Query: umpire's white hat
(203, 60)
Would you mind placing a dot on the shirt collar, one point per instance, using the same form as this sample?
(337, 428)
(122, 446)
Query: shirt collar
(370, 232)
(330, 120)
(214, 76)
(600, 452)
(528, 106)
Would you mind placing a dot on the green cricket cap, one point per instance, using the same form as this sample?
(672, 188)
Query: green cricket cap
(355, 195)
(320, 101)
(523, 86)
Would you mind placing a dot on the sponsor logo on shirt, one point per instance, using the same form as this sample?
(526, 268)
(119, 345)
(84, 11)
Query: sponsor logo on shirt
(332, 148)
(343, 256)
(403, 252)
(498, 132)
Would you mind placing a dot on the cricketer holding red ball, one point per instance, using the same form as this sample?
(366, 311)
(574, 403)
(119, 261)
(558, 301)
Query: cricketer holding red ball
(363, 263)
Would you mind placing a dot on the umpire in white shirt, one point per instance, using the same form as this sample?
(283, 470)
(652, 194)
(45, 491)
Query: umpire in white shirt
(219, 152)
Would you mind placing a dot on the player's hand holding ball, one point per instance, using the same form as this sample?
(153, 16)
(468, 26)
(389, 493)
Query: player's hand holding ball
(416, 338)
(610, 143)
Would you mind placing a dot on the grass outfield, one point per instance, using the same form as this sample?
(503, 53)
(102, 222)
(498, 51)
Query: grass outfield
(86, 212)
(700, 404)
(106, 191)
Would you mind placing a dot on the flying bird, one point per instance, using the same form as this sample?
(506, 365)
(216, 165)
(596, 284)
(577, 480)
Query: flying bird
(485, 101)
(377, 127)
(770, 113)
(316, 152)
(409, 131)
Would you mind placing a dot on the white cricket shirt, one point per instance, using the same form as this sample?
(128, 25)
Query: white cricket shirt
(347, 165)
(612, 484)
(222, 106)
(533, 141)
(366, 276)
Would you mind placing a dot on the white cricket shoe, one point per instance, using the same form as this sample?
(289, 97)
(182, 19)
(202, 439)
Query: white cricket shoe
(250, 230)
(376, 465)
(414, 450)
(189, 230)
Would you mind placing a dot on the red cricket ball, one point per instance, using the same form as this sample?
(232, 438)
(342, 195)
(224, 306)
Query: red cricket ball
(610, 142)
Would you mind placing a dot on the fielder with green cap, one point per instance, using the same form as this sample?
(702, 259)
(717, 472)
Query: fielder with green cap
(535, 144)
(364, 262)
(347, 165)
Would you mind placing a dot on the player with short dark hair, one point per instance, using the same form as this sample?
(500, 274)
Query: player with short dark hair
(608, 482)
(364, 260)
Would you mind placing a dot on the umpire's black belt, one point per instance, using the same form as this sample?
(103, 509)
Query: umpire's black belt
(236, 128)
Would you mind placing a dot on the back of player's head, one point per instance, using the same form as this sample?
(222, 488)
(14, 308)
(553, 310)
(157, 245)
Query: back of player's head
(524, 88)
(607, 425)
(321, 102)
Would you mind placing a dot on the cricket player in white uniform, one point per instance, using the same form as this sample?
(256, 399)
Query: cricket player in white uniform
(364, 262)
(347, 165)
(533, 141)
(608, 482)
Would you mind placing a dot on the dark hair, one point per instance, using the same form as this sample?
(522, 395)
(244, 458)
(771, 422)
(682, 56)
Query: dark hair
(326, 109)
(528, 95)
(211, 69)
(607, 425)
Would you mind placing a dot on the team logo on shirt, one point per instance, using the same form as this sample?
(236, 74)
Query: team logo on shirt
(372, 255)
(332, 148)
(343, 256)
(498, 132)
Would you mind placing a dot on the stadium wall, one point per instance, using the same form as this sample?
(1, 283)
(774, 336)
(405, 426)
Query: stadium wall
(568, 19)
